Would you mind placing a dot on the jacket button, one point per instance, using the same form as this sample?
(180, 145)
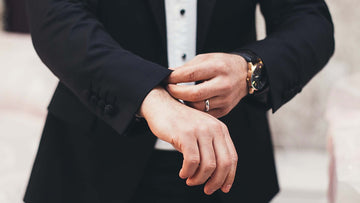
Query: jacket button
(93, 99)
(109, 109)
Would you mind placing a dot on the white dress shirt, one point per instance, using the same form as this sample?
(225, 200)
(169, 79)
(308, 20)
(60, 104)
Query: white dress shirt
(181, 19)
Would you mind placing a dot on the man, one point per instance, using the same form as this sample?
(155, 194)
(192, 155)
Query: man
(116, 95)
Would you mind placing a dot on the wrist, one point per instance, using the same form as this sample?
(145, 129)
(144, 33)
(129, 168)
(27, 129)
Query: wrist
(152, 99)
(242, 63)
(242, 72)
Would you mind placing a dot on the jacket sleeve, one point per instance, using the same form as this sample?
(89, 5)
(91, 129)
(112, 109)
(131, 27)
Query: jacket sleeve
(74, 45)
(299, 42)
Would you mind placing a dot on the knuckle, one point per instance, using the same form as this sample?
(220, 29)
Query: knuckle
(202, 129)
(189, 131)
(219, 134)
(235, 159)
(223, 126)
(221, 64)
(226, 86)
(210, 166)
(192, 76)
(227, 163)
(194, 160)
(215, 123)
(218, 127)
(196, 95)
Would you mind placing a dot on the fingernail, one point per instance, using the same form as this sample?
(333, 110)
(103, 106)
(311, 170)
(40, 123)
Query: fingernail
(227, 188)
(181, 175)
(188, 182)
(210, 192)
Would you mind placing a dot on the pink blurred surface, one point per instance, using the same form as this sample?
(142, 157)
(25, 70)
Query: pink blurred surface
(343, 115)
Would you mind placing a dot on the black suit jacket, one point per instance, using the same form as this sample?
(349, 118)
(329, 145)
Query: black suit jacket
(109, 54)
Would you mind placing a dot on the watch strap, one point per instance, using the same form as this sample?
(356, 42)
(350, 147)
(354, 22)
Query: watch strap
(252, 59)
(248, 55)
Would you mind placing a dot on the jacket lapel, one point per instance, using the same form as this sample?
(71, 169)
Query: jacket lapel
(204, 13)
(158, 9)
(205, 10)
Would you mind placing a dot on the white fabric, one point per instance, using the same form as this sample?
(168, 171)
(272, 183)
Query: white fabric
(181, 39)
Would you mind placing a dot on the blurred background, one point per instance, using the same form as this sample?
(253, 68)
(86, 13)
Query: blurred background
(316, 135)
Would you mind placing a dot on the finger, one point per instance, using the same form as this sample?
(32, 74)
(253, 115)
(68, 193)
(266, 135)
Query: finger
(191, 161)
(215, 102)
(192, 73)
(234, 158)
(194, 93)
(207, 162)
(223, 160)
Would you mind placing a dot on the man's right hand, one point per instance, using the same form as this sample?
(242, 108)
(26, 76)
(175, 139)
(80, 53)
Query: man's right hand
(208, 151)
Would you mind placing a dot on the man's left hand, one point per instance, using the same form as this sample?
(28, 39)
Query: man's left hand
(224, 82)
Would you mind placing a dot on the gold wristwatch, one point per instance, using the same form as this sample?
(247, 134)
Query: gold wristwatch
(256, 77)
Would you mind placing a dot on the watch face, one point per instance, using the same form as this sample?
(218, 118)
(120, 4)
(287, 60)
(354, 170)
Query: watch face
(258, 79)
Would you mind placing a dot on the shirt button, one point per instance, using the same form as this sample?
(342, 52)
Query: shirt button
(183, 56)
(182, 12)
